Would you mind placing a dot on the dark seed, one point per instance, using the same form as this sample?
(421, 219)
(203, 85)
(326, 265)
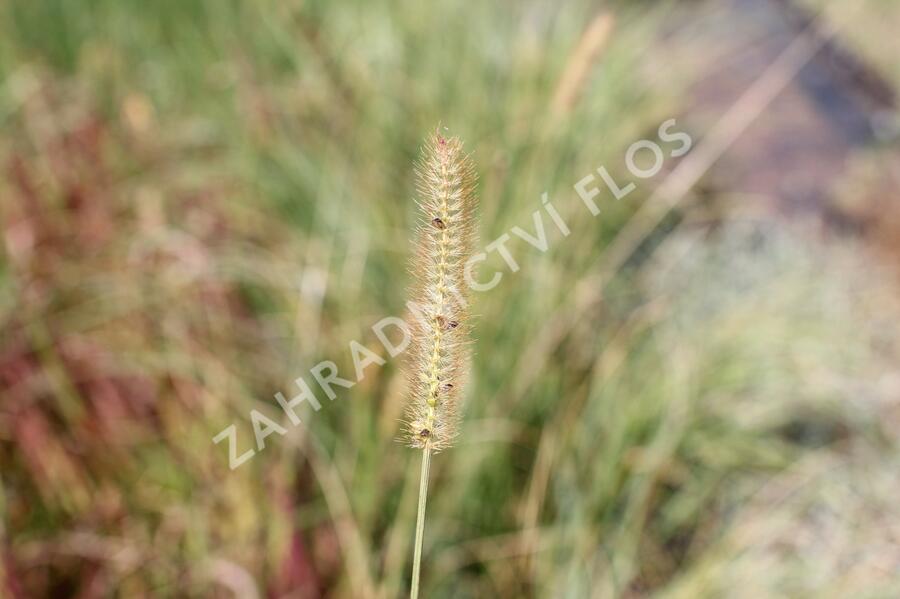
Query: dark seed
(445, 324)
(446, 387)
(438, 223)
(425, 433)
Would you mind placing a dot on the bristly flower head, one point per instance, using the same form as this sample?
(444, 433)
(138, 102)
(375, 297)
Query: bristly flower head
(445, 185)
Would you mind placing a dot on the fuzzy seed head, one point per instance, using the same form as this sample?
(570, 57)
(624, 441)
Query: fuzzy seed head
(439, 349)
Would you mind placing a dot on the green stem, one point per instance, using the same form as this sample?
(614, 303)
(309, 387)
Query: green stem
(420, 521)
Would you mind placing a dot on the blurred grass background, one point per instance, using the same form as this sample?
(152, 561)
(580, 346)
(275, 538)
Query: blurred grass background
(203, 199)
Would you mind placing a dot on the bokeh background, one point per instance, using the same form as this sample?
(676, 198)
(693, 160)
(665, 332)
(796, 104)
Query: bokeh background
(695, 394)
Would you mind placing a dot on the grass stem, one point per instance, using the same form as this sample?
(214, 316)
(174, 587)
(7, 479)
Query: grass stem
(420, 522)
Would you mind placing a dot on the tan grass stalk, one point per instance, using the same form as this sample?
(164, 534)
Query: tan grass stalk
(582, 59)
(445, 184)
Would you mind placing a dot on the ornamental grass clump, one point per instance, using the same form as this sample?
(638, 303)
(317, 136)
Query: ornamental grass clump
(445, 185)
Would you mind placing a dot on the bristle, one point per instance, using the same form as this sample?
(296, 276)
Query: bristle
(445, 184)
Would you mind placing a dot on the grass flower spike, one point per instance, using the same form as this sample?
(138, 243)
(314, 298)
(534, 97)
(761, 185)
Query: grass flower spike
(439, 348)
(446, 190)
